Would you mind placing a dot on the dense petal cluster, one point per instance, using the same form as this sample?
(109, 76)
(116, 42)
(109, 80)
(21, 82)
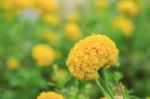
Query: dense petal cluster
(91, 54)
(50, 95)
(43, 54)
(129, 7)
(124, 25)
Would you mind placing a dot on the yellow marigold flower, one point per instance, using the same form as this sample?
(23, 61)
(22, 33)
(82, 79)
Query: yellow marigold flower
(73, 17)
(91, 54)
(73, 31)
(129, 7)
(124, 25)
(51, 37)
(50, 95)
(46, 6)
(43, 54)
(51, 19)
(13, 63)
(102, 4)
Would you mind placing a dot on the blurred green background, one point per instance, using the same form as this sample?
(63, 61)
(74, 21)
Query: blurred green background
(59, 24)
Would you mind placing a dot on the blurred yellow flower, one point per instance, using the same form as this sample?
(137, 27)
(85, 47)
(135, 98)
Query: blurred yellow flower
(50, 95)
(73, 17)
(102, 4)
(14, 5)
(6, 4)
(129, 7)
(43, 54)
(124, 25)
(148, 97)
(46, 6)
(91, 54)
(20, 4)
(13, 63)
(51, 37)
(51, 19)
(73, 31)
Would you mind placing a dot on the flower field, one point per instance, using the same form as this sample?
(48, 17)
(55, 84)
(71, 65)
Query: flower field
(75, 49)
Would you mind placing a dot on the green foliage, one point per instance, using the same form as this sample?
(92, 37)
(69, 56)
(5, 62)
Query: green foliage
(19, 35)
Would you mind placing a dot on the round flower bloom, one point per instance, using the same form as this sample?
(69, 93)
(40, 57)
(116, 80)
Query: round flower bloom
(43, 54)
(124, 25)
(73, 31)
(50, 95)
(13, 63)
(128, 6)
(91, 54)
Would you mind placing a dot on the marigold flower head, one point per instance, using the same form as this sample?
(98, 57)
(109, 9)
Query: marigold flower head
(73, 31)
(129, 7)
(43, 54)
(124, 25)
(50, 95)
(91, 54)
(13, 63)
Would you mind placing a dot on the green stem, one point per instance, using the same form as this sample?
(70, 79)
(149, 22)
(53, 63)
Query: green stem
(101, 88)
(107, 86)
